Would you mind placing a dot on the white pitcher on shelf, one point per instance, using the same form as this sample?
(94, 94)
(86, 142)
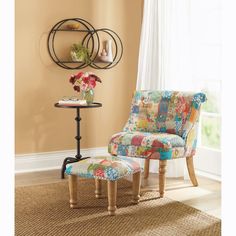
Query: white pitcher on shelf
(109, 51)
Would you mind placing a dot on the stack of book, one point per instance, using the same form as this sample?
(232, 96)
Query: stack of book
(72, 103)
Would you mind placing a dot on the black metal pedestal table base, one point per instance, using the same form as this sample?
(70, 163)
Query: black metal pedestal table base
(78, 156)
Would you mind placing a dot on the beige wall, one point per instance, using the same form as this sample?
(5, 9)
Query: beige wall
(40, 127)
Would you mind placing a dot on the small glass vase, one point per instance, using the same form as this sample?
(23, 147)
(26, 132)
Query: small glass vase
(88, 96)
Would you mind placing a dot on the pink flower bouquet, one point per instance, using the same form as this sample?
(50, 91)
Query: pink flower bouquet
(84, 81)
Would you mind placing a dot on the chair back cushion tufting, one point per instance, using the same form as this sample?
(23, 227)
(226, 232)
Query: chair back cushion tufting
(171, 112)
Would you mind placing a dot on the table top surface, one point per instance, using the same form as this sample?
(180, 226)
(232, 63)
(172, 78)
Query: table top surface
(93, 105)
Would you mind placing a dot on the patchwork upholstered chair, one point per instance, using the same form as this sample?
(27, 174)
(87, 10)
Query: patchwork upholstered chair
(162, 125)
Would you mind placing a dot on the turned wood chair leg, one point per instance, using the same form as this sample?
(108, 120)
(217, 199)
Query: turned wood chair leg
(73, 190)
(136, 187)
(162, 171)
(112, 192)
(98, 188)
(191, 172)
(146, 168)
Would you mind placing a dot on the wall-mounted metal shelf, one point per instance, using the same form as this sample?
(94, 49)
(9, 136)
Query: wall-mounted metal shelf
(90, 39)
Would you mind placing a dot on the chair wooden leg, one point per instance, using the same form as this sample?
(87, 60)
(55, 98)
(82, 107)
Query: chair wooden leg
(146, 168)
(73, 190)
(136, 187)
(162, 171)
(112, 192)
(98, 188)
(191, 172)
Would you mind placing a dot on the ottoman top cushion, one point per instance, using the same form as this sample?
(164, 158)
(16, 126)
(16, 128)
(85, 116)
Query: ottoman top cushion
(103, 167)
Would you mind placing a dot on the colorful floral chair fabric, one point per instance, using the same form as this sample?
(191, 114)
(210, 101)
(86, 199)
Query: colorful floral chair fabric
(162, 125)
(103, 167)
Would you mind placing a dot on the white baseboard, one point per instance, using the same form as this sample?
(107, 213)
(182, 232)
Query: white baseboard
(174, 168)
(51, 160)
(208, 175)
(208, 162)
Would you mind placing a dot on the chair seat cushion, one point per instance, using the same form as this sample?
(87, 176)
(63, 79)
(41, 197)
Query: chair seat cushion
(161, 146)
(103, 167)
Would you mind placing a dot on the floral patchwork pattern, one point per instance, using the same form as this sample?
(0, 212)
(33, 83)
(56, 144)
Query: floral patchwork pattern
(156, 115)
(164, 111)
(143, 144)
(103, 167)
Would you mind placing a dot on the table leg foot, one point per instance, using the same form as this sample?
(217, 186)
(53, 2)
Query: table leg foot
(65, 162)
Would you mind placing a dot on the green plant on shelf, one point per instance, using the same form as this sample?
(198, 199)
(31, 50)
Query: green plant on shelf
(80, 53)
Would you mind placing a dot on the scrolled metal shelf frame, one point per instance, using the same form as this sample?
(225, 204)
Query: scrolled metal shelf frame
(90, 39)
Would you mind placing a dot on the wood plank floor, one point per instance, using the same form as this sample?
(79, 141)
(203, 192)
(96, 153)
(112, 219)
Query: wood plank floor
(206, 197)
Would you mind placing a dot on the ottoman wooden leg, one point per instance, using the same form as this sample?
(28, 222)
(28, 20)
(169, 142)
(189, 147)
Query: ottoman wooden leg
(162, 171)
(112, 192)
(136, 187)
(98, 188)
(73, 190)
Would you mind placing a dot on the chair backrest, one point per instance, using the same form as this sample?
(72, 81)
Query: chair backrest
(172, 112)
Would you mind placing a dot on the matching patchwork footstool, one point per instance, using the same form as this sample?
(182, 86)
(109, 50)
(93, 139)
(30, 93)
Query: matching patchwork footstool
(109, 168)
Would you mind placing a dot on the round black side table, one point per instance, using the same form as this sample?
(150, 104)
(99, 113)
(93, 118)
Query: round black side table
(78, 156)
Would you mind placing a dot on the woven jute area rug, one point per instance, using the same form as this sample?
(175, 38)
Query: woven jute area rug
(44, 210)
